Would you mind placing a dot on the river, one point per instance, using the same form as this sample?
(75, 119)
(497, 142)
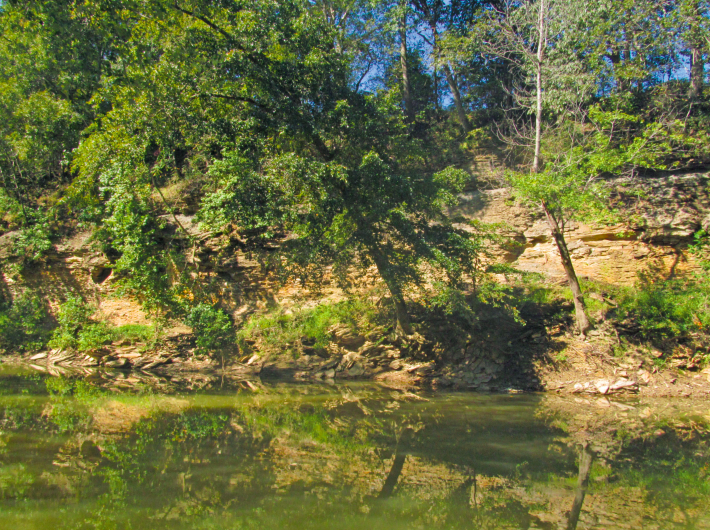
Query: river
(119, 452)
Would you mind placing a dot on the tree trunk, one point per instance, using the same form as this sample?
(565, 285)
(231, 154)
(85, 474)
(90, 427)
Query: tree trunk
(450, 79)
(538, 87)
(697, 72)
(695, 43)
(454, 87)
(581, 314)
(393, 476)
(403, 325)
(585, 465)
(625, 55)
(583, 323)
(406, 86)
(435, 75)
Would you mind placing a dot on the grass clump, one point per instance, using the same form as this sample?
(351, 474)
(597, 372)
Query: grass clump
(134, 333)
(282, 327)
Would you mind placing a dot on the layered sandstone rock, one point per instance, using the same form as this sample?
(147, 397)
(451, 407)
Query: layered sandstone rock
(661, 215)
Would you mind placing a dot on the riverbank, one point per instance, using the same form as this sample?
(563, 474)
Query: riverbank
(536, 360)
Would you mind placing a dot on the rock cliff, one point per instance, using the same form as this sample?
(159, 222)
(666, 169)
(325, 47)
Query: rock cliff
(661, 215)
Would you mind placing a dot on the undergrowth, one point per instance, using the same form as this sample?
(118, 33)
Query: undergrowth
(280, 326)
(666, 309)
(77, 331)
(23, 323)
(657, 311)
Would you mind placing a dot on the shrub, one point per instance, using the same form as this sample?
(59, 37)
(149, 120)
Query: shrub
(667, 308)
(94, 336)
(22, 324)
(76, 330)
(33, 242)
(212, 328)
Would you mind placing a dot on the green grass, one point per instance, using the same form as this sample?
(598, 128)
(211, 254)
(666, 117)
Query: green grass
(280, 327)
(134, 333)
(77, 331)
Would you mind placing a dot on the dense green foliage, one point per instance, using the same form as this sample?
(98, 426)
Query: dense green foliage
(668, 308)
(77, 331)
(326, 137)
(212, 328)
(22, 323)
(671, 307)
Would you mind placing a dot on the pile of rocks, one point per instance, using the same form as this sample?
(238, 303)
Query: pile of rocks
(125, 357)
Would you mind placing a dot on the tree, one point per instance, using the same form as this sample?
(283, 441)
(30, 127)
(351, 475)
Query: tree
(403, 60)
(52, 57)
(538, 38)
(287, 145)
(691, 21)
(368, 208)
(362, 34)
(432, 12)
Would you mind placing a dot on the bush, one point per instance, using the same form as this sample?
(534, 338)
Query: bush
(212, 328)
(94, 336)
(76, 330)
(22, 324)
(665, 309)
(33, 242)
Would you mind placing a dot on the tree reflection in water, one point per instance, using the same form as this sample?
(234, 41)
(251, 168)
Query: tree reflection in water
(308, 456)
(585, 466)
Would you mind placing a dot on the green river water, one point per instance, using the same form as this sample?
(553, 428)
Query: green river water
(116, 451)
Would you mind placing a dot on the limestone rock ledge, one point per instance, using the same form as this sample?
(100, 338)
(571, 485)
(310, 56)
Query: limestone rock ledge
(661, 215)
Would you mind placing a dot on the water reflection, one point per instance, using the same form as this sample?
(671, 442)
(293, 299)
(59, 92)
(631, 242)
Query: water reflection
(585, 466)
(77, 454)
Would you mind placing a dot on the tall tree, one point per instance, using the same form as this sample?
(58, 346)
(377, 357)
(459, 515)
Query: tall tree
(432, 12)
(693, 26)
(539, 38)
(403, 59)
(287, 145)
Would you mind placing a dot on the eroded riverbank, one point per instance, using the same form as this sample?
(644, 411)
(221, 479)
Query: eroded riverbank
(534, 360)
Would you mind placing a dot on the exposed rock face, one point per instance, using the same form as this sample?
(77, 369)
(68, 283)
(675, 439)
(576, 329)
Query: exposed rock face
(661, 213)
(661, 216)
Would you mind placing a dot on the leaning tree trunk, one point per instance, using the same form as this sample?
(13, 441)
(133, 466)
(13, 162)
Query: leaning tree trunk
(581, 312)
(403, 325)
(458, 102)
(585, 464)
(582, 319)
(451, 80)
